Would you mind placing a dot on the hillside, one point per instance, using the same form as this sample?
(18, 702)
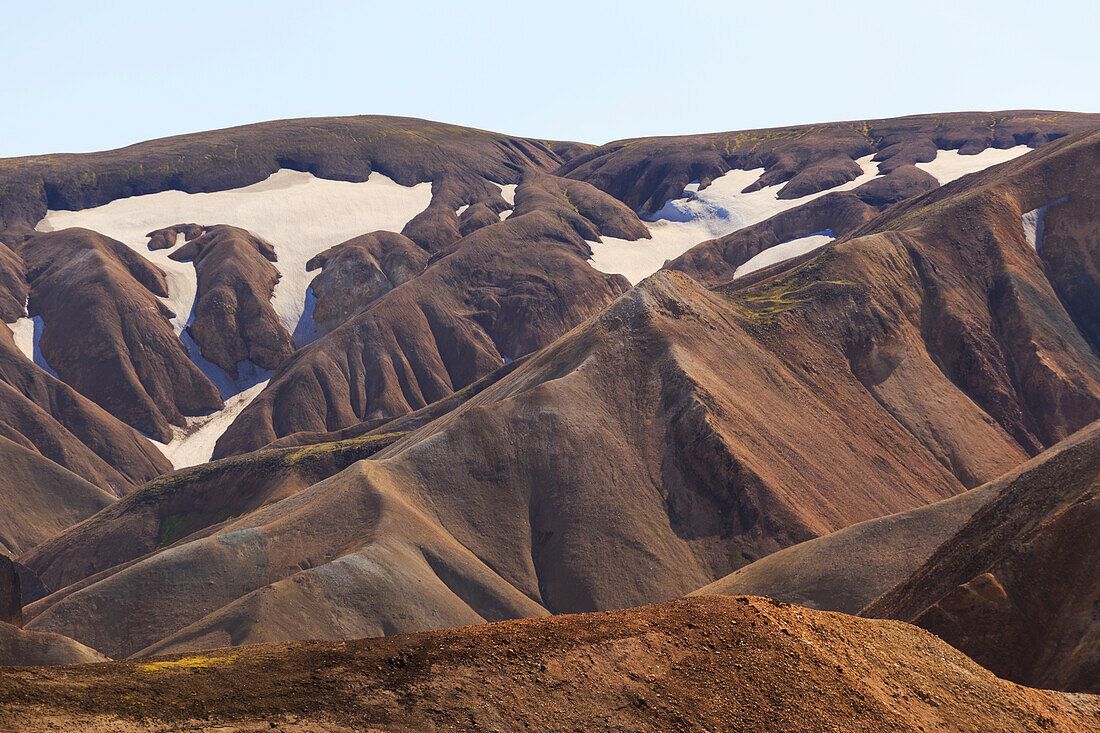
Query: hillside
(1016, 587)
(696, 664)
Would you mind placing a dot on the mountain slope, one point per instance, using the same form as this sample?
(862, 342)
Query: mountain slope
(878, 375)
(107, 334)
(497, 294)
(42, 413)
(40, 498)
(846, 570)
(669, 180)
(1017, 586)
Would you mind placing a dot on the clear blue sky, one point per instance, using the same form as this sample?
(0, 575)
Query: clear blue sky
(90, 76)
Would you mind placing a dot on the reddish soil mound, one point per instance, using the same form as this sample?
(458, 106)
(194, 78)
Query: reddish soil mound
(700, 664)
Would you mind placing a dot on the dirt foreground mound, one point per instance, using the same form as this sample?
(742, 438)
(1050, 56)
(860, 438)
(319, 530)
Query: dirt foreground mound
(693, 664)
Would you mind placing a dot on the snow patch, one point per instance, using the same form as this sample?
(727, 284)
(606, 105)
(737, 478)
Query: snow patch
(194, 444)
(299, 214)
(720, 209)
(23, 330)
(27, 332)
(949, 165)
(1034, 224)
(461, 209)
(785, 251)
(505, 214)
(508, 193)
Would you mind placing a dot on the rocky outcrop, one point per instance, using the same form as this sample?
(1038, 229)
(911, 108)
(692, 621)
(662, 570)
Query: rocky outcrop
(168, 237)
(11, 598)
(358, 272)
(232, 319)
(108, 335)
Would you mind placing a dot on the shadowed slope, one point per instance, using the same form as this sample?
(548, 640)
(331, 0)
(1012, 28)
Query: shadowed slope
(1017, 586)
(846, 570)
(43, 414)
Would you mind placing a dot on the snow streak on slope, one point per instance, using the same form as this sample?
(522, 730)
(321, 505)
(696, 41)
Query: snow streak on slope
(1034, 223)
(785, 251)
(298, 214)
(27, 332)
(949, 164)
(194, 444)
(719, 209)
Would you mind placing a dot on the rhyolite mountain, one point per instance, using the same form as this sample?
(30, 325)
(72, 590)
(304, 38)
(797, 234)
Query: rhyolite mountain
(367, 376)
(875, 376)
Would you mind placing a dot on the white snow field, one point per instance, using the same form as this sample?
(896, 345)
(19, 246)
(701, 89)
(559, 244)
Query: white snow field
(785, 251)
(1033, 222)
(698, 216)
(949, 165)
(299, 214)
(722, 209)
(194, 444)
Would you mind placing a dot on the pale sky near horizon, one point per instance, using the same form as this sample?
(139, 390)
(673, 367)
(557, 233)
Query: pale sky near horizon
(81, 76)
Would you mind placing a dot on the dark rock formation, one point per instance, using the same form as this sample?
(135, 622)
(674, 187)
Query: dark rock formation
(107, 334)
(11, 598)
(232, 320)
(358, 272)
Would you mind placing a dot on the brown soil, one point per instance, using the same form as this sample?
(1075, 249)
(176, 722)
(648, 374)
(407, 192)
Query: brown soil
(694, 665)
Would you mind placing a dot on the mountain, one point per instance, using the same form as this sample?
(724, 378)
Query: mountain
(393, 376)
(1016, 587)
(875, 376)
(704, 663)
